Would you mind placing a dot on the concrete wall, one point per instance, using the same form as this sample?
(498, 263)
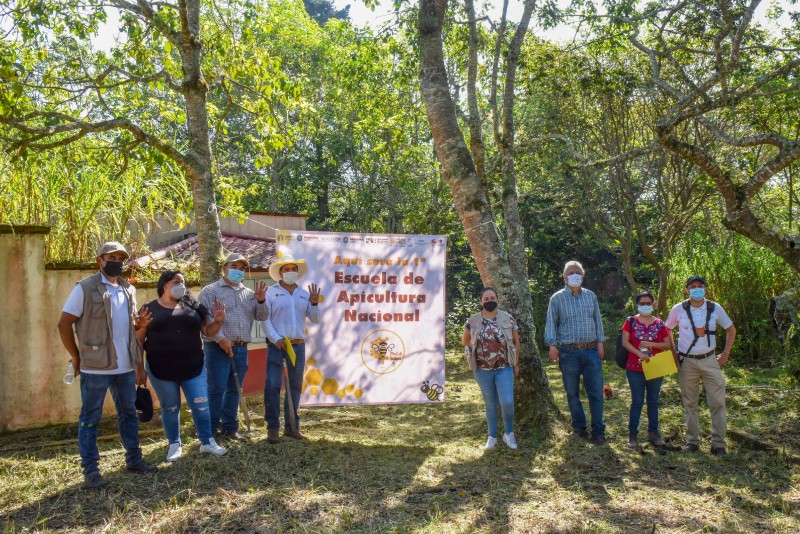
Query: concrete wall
(162, 231)
(32, 359)
(263, 224)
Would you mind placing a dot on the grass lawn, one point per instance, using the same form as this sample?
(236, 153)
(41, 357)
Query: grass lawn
(423, 468)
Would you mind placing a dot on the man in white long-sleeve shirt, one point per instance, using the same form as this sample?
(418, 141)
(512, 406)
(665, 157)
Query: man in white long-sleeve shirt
(289, 306)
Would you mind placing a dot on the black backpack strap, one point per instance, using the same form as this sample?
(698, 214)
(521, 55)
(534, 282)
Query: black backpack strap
(687, 308)
(710, 306)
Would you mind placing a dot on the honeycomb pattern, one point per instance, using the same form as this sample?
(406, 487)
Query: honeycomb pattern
(314, 376)
(330, 386)
(317, 384)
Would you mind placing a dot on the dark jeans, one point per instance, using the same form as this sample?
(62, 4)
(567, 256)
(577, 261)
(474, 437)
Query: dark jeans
(574, 364)
(93, 393)
(223, 395)
(640, 387)
(272, 386)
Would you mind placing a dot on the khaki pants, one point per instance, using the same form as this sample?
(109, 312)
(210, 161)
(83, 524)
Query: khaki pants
(691, 373)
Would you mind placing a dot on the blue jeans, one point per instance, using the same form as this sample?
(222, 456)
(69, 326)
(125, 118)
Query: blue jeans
(223, 394)
(575, 363)
(638, 388)
(169, 395)
(497, 388)
(93, 393)
(272, 386)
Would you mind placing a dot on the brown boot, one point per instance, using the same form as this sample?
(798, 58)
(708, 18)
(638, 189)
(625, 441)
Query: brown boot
(655, 439)
(632, 441)
(294, 434)
(273, 436)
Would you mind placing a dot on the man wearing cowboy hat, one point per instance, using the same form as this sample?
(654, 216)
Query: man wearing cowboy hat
(101, 312)
(242, 307)
(289, 306)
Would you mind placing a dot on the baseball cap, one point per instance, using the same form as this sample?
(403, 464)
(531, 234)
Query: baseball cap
(144, 404)
(236, 257)
(112, 246)
(695, 278)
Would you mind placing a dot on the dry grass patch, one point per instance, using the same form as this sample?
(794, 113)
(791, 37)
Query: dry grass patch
(420, 468)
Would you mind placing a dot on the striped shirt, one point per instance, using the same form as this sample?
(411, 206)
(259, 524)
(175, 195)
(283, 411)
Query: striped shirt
(573, 318)
(241, 309)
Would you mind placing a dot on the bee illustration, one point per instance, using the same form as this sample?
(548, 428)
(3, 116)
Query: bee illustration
(382, 348)
(431, 391)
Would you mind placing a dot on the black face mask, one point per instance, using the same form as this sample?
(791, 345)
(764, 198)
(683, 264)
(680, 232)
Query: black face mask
(113, 268)
(490, 306)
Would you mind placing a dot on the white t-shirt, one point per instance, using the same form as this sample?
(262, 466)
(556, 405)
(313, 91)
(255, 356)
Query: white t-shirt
(120, 323)
(677, 316)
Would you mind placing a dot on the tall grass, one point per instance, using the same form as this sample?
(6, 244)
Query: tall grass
(742, 277)
(87, 198)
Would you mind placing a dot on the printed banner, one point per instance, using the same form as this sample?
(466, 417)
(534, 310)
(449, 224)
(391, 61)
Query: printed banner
(380, 338)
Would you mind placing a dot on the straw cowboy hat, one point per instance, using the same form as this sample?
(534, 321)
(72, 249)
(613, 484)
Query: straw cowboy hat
(286, 259)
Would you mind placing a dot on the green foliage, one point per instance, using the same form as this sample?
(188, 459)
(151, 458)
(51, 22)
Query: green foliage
(323, 10)
(85, 200)
(742, 277)
(458, 311)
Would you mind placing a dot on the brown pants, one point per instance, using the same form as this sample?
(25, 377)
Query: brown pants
(707, 370)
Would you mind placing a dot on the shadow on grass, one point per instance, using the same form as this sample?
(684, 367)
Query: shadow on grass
(265, 485)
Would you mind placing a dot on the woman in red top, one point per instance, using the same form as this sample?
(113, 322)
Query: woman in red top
(647, 337)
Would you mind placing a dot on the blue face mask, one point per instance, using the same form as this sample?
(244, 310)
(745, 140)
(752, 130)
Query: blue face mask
(235, 275)
(697, 293)
(645, 309)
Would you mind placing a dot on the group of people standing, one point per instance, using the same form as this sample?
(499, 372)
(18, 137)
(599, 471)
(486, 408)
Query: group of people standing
(199, 347)
(575, 337)
(182, 344)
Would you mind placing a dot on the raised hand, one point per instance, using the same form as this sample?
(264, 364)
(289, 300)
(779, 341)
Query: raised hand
(261, 291)
(142, 319)
(313, 294)
(219, 311)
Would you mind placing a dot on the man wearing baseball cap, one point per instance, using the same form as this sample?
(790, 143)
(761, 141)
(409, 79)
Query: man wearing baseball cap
(242, 307)
(697, 319)
(101, 312)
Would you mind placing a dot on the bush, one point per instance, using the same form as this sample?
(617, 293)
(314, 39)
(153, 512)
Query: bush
(742, 277)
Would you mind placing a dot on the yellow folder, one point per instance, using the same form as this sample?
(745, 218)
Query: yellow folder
(290, 351)
(661, 364)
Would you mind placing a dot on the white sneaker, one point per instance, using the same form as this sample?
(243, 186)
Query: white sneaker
(213, 448)
(510, 440)
(175, 452)
(491, 442)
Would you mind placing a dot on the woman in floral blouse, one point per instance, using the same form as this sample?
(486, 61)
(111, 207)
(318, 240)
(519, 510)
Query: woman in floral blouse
(644, 335)
(491, 341)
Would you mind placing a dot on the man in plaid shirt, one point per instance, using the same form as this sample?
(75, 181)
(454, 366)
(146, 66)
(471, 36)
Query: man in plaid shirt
(574, 332)
(242, 307)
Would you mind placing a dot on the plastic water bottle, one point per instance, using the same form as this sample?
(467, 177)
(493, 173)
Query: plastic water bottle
(69, 378)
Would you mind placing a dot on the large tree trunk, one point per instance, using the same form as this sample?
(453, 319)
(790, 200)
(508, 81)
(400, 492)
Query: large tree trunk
(201, 177)
(515, 233)
(472, 206)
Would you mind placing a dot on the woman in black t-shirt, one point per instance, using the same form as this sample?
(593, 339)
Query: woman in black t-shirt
(174, 354)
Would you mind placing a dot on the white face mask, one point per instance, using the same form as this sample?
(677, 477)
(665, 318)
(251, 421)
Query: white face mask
(290, 277)
(574, 280)
(177, 291)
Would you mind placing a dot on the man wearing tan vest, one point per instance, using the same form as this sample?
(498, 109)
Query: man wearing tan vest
(101, 312)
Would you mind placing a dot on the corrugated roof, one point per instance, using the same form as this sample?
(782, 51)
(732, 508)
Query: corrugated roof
(260, 252)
